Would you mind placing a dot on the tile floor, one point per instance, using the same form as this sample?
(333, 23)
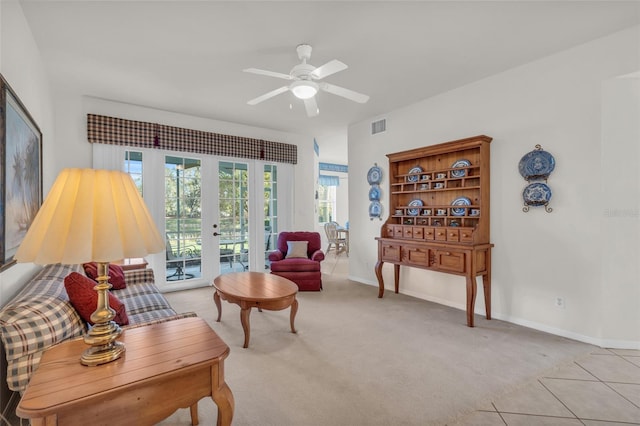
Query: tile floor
(602, 388)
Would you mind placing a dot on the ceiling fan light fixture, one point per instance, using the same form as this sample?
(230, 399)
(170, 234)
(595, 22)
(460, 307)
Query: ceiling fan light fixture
(303, 89)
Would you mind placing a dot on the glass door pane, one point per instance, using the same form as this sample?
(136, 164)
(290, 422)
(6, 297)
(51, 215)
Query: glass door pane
(233, 212)
(133, 166)
(183, 218)
(270, 210)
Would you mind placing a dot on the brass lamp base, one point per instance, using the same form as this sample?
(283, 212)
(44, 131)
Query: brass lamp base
(104, 347)
(102, 336)
(97, 355)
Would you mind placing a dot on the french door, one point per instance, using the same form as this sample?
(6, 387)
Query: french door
(218, 215)
(183, 218)
(244, 244)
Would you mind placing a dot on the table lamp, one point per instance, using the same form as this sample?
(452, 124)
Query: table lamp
(97, 216)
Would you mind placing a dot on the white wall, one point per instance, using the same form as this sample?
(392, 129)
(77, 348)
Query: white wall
(21, 66)
(620, 206)
(556, 102)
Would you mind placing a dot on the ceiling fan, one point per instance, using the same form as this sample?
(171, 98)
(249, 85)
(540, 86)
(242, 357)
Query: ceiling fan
(306, 82)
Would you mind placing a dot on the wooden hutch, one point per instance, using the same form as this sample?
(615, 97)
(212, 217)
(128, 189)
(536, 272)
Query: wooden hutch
(439, 214)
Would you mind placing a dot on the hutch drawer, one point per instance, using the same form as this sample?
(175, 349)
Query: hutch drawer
(453, 261)
(390, 252)
(416, 255)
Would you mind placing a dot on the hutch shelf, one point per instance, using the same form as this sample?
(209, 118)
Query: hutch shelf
(439, 220)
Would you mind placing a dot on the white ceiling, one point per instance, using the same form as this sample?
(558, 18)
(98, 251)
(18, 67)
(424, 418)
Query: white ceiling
(188, 56)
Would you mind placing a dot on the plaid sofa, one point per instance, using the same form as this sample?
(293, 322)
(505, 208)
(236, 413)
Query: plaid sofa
(40, 316)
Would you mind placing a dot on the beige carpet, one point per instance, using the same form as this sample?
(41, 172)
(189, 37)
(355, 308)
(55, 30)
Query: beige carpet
(359, 360)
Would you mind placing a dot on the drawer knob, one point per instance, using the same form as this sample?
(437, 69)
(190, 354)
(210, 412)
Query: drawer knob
(453, 234)
(464, 235)
(439, 233)
(447, 253)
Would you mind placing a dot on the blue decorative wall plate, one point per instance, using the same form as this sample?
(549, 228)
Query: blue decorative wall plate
(374, 193)
(536, 194)
(374, 176)
(536, 165)
(375, 209)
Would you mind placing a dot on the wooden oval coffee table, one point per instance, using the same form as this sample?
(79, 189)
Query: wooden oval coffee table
(255, 290)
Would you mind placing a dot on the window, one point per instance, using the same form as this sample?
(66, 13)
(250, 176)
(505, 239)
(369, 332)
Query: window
(326, 203)
(133, 166)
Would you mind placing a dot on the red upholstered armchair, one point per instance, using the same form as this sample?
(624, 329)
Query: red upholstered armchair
(298, 258)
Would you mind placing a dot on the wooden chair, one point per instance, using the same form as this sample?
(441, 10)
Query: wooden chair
(339, 244)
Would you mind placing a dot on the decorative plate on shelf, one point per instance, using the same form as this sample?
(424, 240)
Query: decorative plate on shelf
(460, 201)
(537, 164)
(375, 209)
(416, 211)
(462, 172)
(374, 175)
(414, 174)
(536, 194)
(374, 193)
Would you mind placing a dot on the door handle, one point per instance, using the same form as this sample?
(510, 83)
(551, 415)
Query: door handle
(215, 234)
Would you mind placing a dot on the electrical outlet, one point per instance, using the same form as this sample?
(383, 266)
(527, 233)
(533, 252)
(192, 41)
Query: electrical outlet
(559, 302)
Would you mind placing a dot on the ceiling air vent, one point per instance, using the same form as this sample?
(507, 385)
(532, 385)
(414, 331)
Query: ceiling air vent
(378, 126)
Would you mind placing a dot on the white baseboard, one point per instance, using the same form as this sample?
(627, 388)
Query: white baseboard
(603, 343)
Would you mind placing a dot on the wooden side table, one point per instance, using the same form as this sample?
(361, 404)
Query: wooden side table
(166, 366)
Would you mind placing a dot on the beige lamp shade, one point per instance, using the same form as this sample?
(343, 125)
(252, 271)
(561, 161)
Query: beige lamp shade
(90, 216)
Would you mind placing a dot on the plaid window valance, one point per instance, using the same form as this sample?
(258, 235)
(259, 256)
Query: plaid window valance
(140, 134)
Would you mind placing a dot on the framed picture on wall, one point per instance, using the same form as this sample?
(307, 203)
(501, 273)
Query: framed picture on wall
(20, 172)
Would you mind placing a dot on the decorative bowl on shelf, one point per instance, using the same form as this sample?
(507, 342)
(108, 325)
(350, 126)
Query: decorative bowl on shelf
(460, 201)
(458, 164)
(414, 174)
(414, 211)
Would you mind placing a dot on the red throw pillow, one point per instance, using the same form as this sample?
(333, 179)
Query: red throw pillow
(85, 299)
(116, 274)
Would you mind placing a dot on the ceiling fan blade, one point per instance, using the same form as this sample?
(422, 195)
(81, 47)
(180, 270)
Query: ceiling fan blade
(327, 69)
(311, 106)
(268, 73)
(266, 96)
(345, 93)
